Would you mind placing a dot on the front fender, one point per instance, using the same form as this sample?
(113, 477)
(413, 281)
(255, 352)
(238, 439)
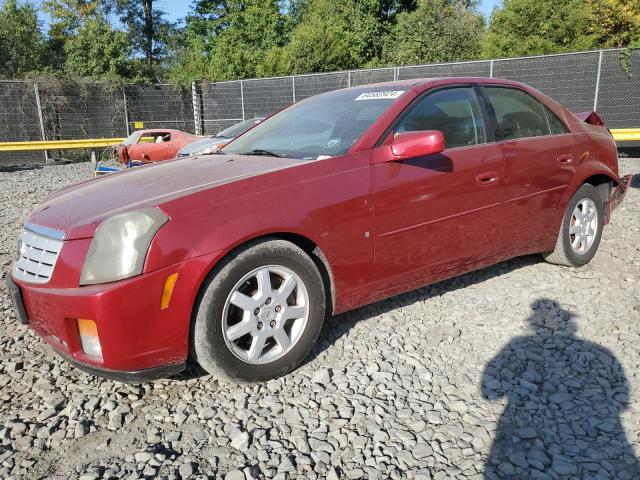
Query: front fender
(322, 202)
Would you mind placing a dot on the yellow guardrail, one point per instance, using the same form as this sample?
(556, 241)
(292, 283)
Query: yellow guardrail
(626, 134)
(619, 134)
(63, 144)
(59, 144)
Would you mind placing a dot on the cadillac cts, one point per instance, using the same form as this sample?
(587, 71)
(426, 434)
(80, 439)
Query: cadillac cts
(233, 260)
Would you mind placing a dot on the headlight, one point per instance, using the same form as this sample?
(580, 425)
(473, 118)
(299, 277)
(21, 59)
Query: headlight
(120, 244)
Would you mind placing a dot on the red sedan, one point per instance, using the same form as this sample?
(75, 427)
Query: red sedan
(233, 260)
(153, 145)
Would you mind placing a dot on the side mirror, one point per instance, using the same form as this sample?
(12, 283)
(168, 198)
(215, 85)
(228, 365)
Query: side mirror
(417, 144)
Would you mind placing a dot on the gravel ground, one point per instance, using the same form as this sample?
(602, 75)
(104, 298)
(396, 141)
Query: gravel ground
(521, 370)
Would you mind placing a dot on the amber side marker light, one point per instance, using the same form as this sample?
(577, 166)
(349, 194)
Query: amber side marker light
(89, 340)
(167, 291)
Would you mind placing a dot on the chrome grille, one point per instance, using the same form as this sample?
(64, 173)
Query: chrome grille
(37, 257)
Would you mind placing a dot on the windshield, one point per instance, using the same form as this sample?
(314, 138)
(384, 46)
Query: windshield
(239, 128)
(326, 125)
(133, 138)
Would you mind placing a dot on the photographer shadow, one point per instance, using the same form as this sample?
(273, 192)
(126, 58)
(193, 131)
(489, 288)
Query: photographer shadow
(564, 400)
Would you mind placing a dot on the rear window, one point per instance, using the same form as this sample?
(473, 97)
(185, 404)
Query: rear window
(519, 115)
(555, 124)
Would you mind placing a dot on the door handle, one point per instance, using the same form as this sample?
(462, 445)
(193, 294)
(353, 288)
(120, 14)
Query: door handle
(487, 178)
(566, 159)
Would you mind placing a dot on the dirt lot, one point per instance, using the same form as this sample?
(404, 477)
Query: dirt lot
(521, 370)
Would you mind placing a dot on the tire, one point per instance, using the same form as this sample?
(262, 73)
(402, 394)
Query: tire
(565, 252)
(245, 278)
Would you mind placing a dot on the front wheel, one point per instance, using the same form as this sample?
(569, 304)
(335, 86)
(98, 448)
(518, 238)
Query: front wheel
(581, 229)
(260, 313)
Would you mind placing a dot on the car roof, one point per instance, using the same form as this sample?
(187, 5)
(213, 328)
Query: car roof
(423, 83)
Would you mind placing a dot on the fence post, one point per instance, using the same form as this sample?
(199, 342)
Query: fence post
(293, 87)
(195, 100)
(242, 98)
(597, 93)
(349, 79)
(491, 69)
(41, 118)
(396, 74)
(126, 111)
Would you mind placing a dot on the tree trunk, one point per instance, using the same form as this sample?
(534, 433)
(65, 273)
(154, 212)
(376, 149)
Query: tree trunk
(148, 37)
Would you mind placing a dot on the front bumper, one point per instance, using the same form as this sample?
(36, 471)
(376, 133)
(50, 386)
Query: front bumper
(138, 376)
(139, 340)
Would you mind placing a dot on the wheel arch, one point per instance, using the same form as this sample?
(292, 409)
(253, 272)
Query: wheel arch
(596, 173)
(602, 182)
(304, 243)
(317, 255)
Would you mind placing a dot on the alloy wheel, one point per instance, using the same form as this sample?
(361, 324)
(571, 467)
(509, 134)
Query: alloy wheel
(265, 314)
(584, 226)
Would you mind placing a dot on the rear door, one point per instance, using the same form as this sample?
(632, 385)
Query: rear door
(437, 212)
(540, 161)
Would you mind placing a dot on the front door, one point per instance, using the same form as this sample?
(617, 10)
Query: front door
(438, 212)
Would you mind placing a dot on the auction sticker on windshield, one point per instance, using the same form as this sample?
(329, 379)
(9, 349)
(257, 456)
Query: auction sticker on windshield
(379, 95)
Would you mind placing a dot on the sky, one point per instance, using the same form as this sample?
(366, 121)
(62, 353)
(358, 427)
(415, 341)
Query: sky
(486, 6)
(178, 9)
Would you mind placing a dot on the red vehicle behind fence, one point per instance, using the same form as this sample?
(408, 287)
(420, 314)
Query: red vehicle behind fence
(233, 260)
(153, 145)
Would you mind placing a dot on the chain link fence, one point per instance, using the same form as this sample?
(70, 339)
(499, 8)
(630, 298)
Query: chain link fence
(159, 106)
(19, 120)
(61, 110)
(581, 81)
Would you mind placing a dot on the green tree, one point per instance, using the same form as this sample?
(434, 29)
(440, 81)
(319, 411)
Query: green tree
(334, 35)
(530, 27)
(83, 41)
(22, 44)
(615, 23)
(149, 33)
(67, 16)
(96, 50)
(228, 39)
(437, 31)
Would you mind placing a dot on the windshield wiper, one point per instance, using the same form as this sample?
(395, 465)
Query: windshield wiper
(260, 151)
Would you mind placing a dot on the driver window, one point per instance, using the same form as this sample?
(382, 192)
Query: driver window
(455, 112)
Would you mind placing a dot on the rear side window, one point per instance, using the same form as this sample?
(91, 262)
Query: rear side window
(455, 112)
(556, 125)
(518, 114)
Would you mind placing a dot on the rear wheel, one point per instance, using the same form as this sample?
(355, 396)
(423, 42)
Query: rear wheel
(581, 229)
(260, 313)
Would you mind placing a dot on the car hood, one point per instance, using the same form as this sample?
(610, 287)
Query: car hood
(78, 210)
(204, 143)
